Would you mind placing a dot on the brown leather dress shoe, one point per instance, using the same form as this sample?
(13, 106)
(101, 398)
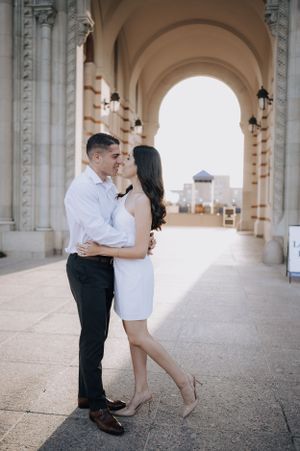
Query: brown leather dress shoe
(115, 404)
(106, 422)
(83, 403)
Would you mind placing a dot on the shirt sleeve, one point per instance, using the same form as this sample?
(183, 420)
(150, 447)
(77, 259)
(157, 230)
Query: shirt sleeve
(83, 205)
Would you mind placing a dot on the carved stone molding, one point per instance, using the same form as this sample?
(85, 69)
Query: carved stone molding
(85, 26)
(26, 111)
(271, 15)
(44, 11)
(277, 17)
(71, 92)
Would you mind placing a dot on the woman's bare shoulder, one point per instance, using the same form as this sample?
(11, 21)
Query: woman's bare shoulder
(141, 200)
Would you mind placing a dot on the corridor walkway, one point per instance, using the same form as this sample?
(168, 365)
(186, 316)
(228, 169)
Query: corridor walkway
(226, 317)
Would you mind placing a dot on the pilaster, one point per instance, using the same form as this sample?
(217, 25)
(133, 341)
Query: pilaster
(277, 17)
(45, 14)
(6, 146)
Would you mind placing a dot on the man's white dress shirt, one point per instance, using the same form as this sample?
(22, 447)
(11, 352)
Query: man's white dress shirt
(89, 204)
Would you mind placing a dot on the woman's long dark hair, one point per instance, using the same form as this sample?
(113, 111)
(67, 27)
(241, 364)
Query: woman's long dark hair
(149, 172)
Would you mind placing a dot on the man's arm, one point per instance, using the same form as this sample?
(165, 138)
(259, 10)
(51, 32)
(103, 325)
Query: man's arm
(83, 205)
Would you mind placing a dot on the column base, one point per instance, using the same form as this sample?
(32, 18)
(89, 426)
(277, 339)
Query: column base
(244, 226)
(28, 244)
(273, 252)
(259, 228)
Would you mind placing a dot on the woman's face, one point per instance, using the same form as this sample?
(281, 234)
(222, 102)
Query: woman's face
(128, 167)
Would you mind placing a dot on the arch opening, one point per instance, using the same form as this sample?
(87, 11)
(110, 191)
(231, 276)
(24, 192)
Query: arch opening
(200, 130)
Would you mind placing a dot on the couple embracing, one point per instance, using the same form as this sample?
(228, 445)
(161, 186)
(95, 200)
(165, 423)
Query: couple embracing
(109, 247)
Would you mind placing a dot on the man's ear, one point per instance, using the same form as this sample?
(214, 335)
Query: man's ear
(97, 157)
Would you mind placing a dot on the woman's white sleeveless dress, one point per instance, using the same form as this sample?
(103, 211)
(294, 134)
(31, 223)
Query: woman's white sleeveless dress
(134, 279)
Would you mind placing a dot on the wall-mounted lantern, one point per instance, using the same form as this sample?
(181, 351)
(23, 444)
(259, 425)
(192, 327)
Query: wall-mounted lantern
(253, 124)
(263, 98)
(114, 103)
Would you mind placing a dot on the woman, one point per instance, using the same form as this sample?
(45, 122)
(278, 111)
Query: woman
(141, 210)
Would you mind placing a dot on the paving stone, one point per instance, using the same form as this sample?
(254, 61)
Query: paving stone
(284, 363)
(59, 394)
(222, 360)
(31, 278)
(250, 379)
(274, 311)
(5, 335)
(4, 446)
(22, 383)
(8, 420)
(289, 395)
(32, 430)
(226, 404)
(221, 332)
(165, 329)
(5, 298)
(58, 323)
(216, 311)
(32, 302)
(16, 321)
(116, 354)
(40, 348)
(48, 291)
(68, 307)
(14, 289)
(279, 335)
(213, 296)
(185, 438)
(81, 435)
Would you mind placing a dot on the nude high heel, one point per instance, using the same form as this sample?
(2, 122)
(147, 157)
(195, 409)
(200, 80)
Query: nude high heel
(131, 411)
(187, 409)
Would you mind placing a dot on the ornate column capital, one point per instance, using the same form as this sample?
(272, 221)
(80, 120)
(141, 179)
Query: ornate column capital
(44, 11)
(271, 15)
(85, 26)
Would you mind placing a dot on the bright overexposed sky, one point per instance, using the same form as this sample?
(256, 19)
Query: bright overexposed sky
(199, 129)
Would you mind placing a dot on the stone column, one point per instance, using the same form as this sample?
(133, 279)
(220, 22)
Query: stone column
(6, 34)
(45, 14)
(277, 16)
(261, 190)
(58, 124)
(292, 162)
(246, 223)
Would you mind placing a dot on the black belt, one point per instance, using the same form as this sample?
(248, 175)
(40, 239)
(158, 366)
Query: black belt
(98, 258)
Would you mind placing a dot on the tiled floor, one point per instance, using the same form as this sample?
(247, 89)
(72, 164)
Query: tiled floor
(226, 317)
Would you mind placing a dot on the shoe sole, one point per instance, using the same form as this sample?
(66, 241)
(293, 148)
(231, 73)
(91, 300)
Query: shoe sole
(105, 430)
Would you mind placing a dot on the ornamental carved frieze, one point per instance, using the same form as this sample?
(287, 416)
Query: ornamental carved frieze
(85, 26)
(44, 11)
(271, 15)
(25, 65)
(71, 92)
(277, 18)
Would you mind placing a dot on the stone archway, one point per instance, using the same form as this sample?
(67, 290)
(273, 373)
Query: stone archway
(141, 48)
(228, 48)
(214, 70)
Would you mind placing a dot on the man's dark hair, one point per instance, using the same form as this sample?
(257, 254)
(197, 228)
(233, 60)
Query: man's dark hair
(100, 141)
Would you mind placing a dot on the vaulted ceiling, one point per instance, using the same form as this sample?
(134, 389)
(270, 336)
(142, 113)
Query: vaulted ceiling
(164, 41)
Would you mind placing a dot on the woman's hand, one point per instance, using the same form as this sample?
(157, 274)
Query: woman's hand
(152, 243)
(88, 249)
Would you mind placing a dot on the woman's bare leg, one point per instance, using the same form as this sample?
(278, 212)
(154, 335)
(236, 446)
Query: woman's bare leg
(139, 336)
(139, 363)
(141, 387)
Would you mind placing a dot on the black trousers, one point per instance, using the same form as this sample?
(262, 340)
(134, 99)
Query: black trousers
(91, 283)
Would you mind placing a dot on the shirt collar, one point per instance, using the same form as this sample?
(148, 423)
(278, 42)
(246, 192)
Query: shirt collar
(91, 174)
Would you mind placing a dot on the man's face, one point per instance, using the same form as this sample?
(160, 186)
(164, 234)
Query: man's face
(108, 161)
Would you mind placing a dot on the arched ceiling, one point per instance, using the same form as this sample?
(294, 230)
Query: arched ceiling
(163, 36)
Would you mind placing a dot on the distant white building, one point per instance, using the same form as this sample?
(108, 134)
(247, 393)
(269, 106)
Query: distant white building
(208, 191)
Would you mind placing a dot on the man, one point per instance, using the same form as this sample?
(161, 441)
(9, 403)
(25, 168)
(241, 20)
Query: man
(90, 201)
